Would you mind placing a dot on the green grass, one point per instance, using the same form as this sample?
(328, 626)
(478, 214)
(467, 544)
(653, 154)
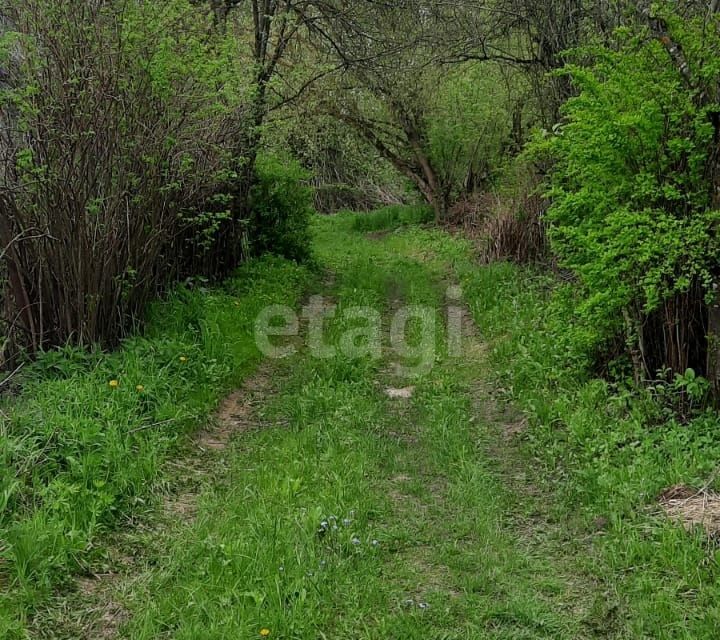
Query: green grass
(391, 217)
(454, 529)
(604, 452)
(429, 543)
(78, 455)
(606, 455)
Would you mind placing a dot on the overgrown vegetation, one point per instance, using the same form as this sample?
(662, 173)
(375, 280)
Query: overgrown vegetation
(634, 212)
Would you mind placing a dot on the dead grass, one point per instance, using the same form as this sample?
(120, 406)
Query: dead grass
(692, 508)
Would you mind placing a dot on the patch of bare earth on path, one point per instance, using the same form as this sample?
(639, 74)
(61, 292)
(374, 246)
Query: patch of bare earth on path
(236, 413)
(109, 614)
(400, 394)
(92, 611)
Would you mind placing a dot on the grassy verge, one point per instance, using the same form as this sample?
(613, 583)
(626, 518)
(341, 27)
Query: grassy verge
(606, 453)
(86, 438)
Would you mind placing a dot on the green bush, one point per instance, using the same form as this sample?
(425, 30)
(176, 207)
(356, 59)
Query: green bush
(138, 116)
(281, 208)
(631, 210)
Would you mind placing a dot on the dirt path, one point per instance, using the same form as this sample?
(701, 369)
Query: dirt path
(334, 499)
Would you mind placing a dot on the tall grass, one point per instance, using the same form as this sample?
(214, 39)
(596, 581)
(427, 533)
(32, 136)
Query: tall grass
(392, 217)
(85, 438)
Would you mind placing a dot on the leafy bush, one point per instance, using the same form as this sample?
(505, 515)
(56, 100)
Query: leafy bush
(632, 213)
(347, 173)
(281, 205)
(121, 133)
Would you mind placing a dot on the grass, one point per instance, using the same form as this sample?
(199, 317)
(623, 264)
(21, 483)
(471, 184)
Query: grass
(361, 516)
(79, 455)
(391, 217)
(338, 512)
(605, 452)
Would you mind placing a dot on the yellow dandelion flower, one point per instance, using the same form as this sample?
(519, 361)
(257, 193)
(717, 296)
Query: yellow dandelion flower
(183, 359)
(264, 633)
(114, 384)
(140, 388)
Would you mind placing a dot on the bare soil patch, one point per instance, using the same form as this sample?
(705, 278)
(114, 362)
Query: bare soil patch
(236, 413)
(400, 394)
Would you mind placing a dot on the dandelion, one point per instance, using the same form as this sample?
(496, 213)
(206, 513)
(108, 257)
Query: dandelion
(347, 522)
(139, 388)
(375, 543)
(183, 359)
(114, 384)
(264, 633)
(356, 541)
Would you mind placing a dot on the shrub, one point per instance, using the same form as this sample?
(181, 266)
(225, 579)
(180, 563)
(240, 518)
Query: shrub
(508, 224)
(281, 205)
(122, 132)
(632, 212)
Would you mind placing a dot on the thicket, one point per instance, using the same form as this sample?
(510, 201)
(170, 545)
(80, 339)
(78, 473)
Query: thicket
(130, 138)
(634, 191)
